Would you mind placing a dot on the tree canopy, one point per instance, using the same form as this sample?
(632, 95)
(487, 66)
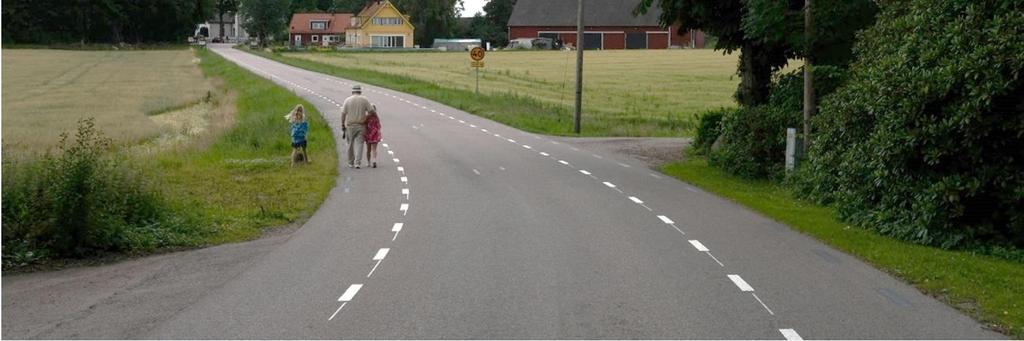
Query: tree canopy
(265, 18)
(102, 21)
(432, 18)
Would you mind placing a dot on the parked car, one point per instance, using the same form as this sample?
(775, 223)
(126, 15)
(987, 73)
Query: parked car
(532, 44)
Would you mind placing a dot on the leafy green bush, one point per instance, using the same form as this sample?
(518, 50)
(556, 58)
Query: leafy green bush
(754, 138)
(84, 200)
(708, 130)
(926, 140)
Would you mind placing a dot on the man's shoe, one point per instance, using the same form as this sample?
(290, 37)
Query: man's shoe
(375, 164)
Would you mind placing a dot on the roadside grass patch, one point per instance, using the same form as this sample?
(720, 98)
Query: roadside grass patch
(626, 93)
(984, 287)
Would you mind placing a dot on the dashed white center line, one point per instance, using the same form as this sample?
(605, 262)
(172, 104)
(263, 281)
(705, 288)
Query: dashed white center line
(566, 163)
(401, 169)
(472, 126)
(511, 140)
(461, 121)
(527, 147)
(666, 219)
(391, 153)
(395, 160)
(584, 171)
(396, 229)
(545, 154)
(597, 156)
(770, 312)
(574, 149)
(656, 176)
(404, 180)
(636, 200)
(736, 279)
(378, 257)
(609, 184)
(476, 171)
(350, 293)
(697, 244)
(484, 130)
(790, 335)
(625, 165)
(405, 192)
(404, 208)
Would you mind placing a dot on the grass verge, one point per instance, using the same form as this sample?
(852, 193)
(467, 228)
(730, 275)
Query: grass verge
(519, 111)
(243, 181)
(988, 289)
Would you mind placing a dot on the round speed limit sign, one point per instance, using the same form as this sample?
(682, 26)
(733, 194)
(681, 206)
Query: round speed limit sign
(477, 53)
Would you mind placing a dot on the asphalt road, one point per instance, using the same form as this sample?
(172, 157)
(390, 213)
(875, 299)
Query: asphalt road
(472, 229)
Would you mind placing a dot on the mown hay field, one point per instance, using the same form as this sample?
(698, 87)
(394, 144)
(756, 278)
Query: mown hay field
(667, 87)
(45, 92)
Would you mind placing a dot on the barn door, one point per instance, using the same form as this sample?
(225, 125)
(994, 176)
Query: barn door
(593, 41)
(636, 40)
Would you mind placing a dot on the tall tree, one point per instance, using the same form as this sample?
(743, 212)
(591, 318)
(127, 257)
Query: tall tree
(224, 7)
(265, 18)
(346, 6)
(497, 14)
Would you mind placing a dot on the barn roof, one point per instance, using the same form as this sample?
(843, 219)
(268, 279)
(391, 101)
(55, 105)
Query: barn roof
(595, 13)
(336, 22)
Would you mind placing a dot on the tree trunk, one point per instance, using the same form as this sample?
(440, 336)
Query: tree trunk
(755, 73)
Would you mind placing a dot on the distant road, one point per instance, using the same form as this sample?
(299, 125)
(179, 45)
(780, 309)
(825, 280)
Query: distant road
(471, 229)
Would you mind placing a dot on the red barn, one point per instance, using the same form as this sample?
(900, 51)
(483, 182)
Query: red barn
(608, 24)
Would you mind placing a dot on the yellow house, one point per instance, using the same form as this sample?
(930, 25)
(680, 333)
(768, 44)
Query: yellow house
(380, 24)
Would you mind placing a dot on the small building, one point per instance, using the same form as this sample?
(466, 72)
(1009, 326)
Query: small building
(380, 24)
(456, 44)
(318, 29)
(232, 23)
(608, 24)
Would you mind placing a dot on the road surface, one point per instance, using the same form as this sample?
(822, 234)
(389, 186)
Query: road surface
(471, 229)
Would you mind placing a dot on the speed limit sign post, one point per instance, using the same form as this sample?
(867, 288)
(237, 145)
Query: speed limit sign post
(477, 55)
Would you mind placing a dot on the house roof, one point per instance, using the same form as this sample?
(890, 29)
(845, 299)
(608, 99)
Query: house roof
(336, 22)
(595, 13)
(371, 8)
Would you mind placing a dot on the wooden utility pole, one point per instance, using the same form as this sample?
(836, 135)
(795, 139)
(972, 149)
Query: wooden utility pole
(579, 67)
(809, 100)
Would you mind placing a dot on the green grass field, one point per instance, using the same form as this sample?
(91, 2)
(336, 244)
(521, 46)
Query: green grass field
(984, 287)
(46, 91)
(626, 92)
(210, 134)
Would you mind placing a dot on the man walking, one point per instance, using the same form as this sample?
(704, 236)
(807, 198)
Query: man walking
(353, 118)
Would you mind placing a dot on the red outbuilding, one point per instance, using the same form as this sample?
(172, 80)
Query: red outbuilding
(608, 24)
(318, 29)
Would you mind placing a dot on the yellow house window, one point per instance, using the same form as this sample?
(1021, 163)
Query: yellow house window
(387, 41)
(387, 21)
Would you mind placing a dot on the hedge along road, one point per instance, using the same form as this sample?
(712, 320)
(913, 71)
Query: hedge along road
(472, 229)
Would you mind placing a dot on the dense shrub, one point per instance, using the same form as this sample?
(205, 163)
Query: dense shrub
(83, 200)
(925, 142)
(708, 130)
(754, 139)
